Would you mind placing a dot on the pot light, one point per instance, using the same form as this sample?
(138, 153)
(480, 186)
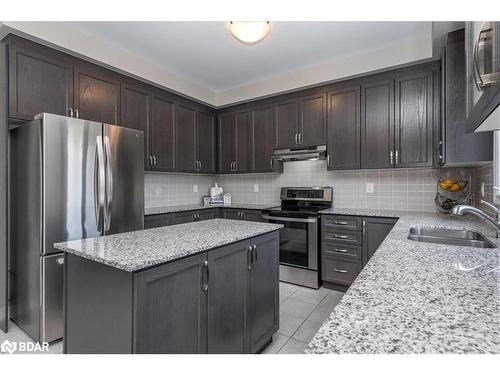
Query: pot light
(250, 32)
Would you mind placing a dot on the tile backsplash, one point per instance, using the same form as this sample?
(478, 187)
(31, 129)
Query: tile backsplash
(399, 189)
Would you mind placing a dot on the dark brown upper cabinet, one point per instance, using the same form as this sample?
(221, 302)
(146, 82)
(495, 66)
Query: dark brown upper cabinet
(285, 124)
(135, 111)
(377, 124)
(262, 136)
(40, 80)
(343, 130)
(162, 133)
(96, 93)
(312, 120)
(205, 142)
(414, 120)
(242, 137)
(456, 146)
(226, 145)
(185, 138)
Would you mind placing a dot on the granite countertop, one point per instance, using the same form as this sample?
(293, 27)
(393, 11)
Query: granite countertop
(133, 251)
(415, 297)
(372, 212)
(191, 207)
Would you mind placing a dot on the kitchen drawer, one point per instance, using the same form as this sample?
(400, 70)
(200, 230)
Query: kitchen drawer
(342, 236)
(158, 220)
(333, 248)
(340, 271)
(341, 222)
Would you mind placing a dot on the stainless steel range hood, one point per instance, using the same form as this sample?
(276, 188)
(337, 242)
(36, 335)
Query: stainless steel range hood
(308, 153)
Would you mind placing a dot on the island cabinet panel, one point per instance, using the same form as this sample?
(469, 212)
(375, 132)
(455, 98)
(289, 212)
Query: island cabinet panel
(229, 299)
(264, 298)
(40, 80)
(343, 139)
(377, 124)
(375, 231)
(171, 308)
(96, 93)
(158, 220)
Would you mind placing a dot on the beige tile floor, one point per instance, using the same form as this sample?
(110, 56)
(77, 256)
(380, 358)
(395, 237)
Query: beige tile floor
(302, 312)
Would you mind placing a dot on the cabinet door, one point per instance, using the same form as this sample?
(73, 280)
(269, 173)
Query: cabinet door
(312, 120)
(228, 299)
(171, 308)
(206, 214)
(232, 214)
(96, 93)
(264, 290)
(40, 80)
(252, 215)
(155, 221)
(205, 134)
(377, 130)
(414, 120)
(183, 217)
(135, 108)
(242, 136)
(226, 143)
(162, 133)
(185, 139)
(374, 232)
(262, 139)
(286, 120)
(344, 128)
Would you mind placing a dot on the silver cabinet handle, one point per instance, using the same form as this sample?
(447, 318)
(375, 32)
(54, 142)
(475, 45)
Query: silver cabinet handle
(254, 256)
(340, 222)
(77, 114)
(397, 156)
(391, 157)
(200, 165)
(296, 138)
(249, 257)
(340, 236)
(328, 160)
(150, 161)
(301, 138)
(235, 166)
(154, 160)
(109, 182)
(242, 215)
(205, 276)
(195, 165)
(340, 270)
(335, 250)
(99, 180)
(364, 227)
(70, 110)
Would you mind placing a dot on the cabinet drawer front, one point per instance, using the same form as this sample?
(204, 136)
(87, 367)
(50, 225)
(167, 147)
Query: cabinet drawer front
(342, 236)
(341, 222)
(340, 271)
(334, 248)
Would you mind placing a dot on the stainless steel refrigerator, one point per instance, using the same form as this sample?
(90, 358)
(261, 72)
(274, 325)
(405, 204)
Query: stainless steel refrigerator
(69, 179)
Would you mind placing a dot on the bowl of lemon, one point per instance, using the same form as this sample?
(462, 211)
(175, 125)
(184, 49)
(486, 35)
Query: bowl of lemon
(452, 185)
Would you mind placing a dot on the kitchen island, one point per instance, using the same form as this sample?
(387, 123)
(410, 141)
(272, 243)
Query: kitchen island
(416, 297)
(203, 287)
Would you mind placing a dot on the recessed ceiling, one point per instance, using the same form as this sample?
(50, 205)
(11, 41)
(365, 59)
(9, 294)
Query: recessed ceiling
(206, 53)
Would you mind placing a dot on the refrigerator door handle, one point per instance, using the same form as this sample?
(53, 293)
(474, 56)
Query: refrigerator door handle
(99, 178)
(109, 183)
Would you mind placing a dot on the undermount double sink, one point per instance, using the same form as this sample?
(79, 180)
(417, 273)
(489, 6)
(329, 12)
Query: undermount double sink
(453, 237)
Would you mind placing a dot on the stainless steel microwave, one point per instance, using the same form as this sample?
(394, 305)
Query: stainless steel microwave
(482, 43)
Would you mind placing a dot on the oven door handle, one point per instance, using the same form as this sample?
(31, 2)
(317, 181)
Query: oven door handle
(292, 219)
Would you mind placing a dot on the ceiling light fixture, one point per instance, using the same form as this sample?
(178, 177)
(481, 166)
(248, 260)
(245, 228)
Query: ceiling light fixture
(250, 32)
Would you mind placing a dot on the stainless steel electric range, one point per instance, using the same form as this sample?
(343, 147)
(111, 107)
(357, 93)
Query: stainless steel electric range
(299, 239)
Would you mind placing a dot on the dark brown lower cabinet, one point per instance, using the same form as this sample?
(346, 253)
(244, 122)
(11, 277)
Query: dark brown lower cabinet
(191, 216)
(224, 300)
(243, 214)
(155, 221)
(347, 243)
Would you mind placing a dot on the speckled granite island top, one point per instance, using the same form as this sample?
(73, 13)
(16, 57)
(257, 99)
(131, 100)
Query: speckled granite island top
(133, 251)
(415, 297)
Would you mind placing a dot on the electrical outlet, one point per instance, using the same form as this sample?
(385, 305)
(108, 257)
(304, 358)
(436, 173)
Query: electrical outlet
(195, 188)
(255, 188)
(369, 187)
(482, 189)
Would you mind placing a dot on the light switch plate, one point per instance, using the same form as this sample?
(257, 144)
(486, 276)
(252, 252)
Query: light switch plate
(195, 188)
(369, 187)
(255, 188)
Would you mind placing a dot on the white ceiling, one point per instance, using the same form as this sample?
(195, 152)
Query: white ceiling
(207, 54)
